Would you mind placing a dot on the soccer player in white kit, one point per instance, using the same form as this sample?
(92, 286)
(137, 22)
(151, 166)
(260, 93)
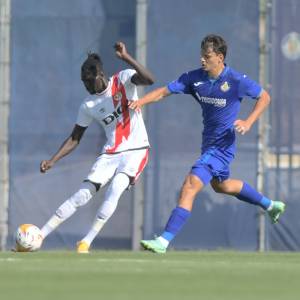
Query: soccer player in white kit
(125, 153)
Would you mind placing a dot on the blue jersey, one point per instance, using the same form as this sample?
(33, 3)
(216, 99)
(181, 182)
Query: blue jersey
(220, 100)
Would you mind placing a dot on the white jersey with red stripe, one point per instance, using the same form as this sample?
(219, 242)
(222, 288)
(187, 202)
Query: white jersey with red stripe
(124, 128)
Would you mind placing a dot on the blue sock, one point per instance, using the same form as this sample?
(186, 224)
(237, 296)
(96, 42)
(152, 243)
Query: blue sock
(250, 195)
(178, 218)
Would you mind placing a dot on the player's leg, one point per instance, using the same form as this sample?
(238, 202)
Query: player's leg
(88, 189)
(241, 190)
(200, 175)
(179, 216)
(67, 209)
(244, 192)
(130, 166)
(118, 185)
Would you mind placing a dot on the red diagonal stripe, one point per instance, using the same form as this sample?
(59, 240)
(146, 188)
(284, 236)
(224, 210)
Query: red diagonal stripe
(123, 126)
(142, 165)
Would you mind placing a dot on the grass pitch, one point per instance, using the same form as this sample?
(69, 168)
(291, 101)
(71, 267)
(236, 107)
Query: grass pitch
(141, 275)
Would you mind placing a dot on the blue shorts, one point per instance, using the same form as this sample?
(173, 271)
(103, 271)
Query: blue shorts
(214, 164)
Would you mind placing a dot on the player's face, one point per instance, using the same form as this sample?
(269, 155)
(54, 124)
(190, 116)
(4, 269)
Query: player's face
(211, 60)
(94, 83)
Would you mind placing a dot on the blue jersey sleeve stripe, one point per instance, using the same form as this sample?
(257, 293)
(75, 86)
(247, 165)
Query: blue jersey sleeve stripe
(170, 88)
(176, 87)
(260, 93)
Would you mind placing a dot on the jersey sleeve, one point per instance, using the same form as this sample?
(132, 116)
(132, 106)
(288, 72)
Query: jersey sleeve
(130, 88)
(181, 85)
(84, 119)
(125, 76)
(249, 88)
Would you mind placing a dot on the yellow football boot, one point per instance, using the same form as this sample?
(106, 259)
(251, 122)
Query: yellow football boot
(83, 247)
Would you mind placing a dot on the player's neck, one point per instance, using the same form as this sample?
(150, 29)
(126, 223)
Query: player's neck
(215, 73)
(103, 86)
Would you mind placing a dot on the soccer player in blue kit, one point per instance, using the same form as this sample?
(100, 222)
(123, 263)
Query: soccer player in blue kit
(219, 90)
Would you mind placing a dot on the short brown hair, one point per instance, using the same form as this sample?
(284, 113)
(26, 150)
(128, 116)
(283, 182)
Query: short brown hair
(216, 42)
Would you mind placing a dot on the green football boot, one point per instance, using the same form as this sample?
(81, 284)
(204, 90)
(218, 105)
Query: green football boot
(154, 246)
(277, 209)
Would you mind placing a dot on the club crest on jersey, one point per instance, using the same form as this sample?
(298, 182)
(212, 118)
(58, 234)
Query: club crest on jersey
(117, 96)
(102, 110)
(225, 87)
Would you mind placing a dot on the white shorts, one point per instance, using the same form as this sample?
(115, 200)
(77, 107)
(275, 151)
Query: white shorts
(106, 166)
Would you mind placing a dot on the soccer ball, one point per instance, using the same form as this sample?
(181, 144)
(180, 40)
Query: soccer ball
(29, 238)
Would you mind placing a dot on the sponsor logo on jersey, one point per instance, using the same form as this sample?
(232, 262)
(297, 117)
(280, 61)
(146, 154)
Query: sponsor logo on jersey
(225, 87)
(217, 102)
(117, 96)
(113, 116)
(198, 83)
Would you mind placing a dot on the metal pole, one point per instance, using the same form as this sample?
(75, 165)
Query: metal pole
(138, 192)
(4, 114)
(263, 120)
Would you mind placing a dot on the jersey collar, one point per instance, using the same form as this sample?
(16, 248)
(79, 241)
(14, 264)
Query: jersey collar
(224, 72)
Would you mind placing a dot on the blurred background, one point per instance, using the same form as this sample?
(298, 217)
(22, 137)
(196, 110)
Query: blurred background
(42, 46)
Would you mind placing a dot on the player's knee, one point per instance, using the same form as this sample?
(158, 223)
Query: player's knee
(217, 189)
(188, 192)
(191, 186)
(112, 196)
(84, 195)
(222, 188)
(121, 180)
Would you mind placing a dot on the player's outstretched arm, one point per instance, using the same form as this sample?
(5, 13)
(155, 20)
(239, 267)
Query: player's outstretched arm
(143, 75)
(242, 126)
(67, 147)
(154, 96)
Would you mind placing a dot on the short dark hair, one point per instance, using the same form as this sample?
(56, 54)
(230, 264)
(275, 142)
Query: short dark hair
(216, 42)
(92, 64)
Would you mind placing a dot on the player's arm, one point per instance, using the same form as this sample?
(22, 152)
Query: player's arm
(154, 96)
(67, 147)
(242, 126)
(143, 76)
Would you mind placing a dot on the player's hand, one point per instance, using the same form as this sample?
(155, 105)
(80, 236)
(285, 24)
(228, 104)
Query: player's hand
(121, 51)
(46, 165)
(135, 105)
(241, 126)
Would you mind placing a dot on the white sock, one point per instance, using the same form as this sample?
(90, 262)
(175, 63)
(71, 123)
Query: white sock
(65, 211)
(54, 222)
(97, 226)
(163, 241)
(68, 208)
(270, 206)
(118, 185)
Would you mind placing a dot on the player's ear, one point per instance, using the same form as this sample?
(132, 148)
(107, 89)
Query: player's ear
(221, 56)
(100, 73)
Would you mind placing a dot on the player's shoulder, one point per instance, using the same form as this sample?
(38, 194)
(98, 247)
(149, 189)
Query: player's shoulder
(195, 75)
(235, 76)
(88, 102)
(125, 74)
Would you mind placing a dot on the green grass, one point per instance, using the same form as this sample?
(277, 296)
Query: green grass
(141, 275)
